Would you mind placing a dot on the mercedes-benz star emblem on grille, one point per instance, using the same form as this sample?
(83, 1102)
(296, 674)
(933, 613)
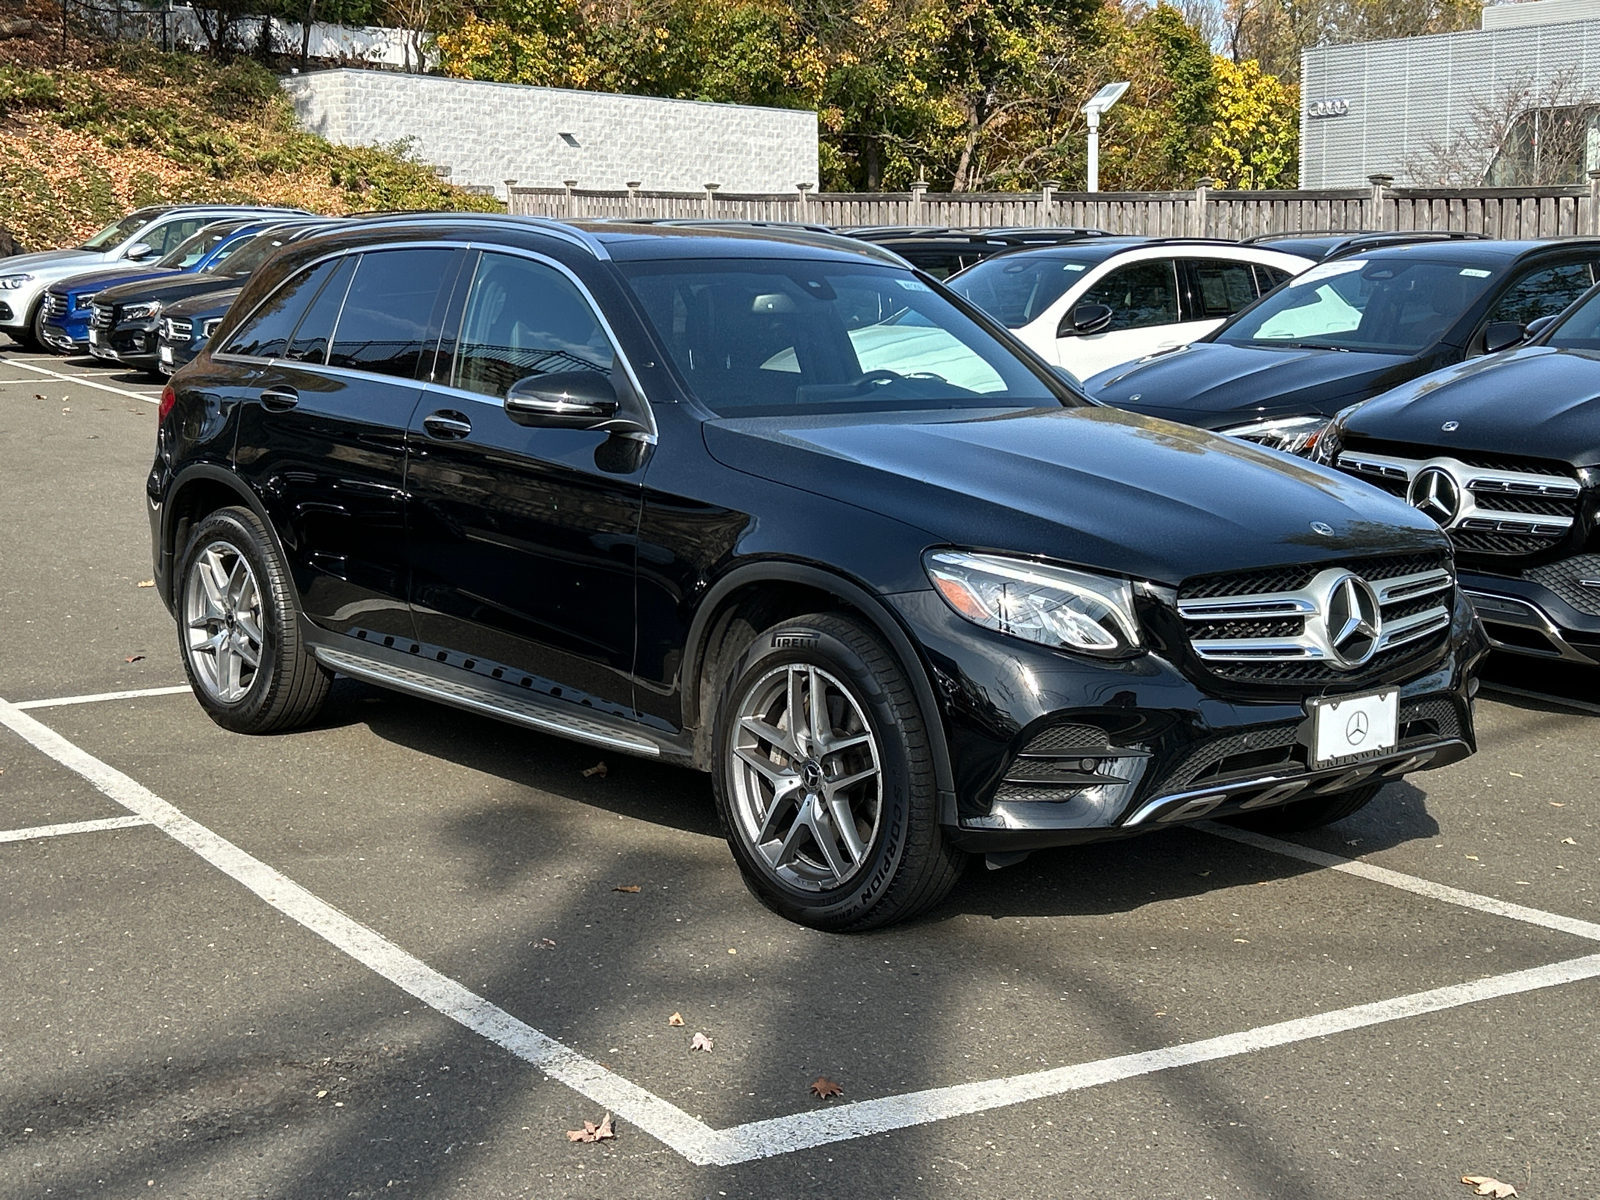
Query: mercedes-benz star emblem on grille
(1450, 426)
(1355, 732)
(1322, 527)
(1436, 492)
(1352, 619)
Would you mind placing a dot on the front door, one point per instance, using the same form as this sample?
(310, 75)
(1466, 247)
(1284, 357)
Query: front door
(522, 539)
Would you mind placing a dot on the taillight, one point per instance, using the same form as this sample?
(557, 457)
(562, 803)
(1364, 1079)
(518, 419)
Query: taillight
(168, 399)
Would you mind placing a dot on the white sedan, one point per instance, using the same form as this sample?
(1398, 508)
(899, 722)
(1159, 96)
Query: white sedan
(1095, 304)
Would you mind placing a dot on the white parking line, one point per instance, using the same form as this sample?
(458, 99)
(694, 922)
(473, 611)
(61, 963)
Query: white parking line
(1409, 883)
(96, 697)
(104, 387)
(49, 831)
(698, 1142)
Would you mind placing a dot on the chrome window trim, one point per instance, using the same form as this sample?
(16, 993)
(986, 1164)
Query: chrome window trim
(647, 415)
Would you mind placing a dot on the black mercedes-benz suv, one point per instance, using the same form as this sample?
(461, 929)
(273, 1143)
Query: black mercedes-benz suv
(778, 506)
(1503, 452)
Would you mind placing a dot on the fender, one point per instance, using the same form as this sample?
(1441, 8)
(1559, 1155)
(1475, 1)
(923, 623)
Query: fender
(213, 473)
(867, 603)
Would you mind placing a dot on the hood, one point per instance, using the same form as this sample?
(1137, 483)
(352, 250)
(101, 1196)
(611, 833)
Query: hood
(209, 304)
(53, 261)
(1536, 402)
(1215, 385)
(1108, 490)
(170, 289)
(96, 281)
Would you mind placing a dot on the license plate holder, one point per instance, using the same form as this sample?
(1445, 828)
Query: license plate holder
(165, 354)
(1346, 729)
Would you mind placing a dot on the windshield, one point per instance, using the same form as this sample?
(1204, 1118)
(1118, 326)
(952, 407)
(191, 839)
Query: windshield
(754, 337)
(187, 253)
(1387, 305)
(249, 253)
(1016, 289)
(113, 235)
(1581, 328)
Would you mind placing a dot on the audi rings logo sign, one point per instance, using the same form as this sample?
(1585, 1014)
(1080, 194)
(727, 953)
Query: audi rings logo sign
(1437, 493)
(1351, 620)
(1328, 108)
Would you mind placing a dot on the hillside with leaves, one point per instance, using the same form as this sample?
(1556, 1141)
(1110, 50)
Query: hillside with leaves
(107, 127)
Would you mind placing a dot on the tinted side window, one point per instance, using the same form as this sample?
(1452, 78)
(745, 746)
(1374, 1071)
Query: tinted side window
(385, 320)
(1268, 278)
(310, 341)
(1221, 288)
(1138, 295)
(171, 235)
(523, 318)
(267, 331)
(1542, 292)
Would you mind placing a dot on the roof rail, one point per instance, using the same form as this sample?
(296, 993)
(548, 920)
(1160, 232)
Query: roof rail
(566, 231)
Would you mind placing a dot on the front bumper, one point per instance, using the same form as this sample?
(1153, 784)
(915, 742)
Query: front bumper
(1021, 720)
(134, 345)
(1525, 617)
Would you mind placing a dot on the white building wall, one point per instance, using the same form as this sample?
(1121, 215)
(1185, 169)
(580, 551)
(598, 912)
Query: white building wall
(1407, 93)
(487, 133)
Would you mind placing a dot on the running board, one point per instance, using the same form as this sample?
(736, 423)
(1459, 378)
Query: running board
(464, 695)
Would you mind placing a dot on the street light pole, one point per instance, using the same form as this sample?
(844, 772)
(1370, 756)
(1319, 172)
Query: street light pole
(1096, 105)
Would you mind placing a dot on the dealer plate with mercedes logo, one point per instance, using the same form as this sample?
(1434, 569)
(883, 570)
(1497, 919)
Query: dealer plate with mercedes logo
(1350, 727)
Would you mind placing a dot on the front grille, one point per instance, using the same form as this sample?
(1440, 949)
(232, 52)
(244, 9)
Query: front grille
(1292, 625)
(1489, 504)
(1576, 580)
(54, 306)
(177, 329)
(103, 316)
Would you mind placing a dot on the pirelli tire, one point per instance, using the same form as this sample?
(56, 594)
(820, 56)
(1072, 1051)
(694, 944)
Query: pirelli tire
(825, 781)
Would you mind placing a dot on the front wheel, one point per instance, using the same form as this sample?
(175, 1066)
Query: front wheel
(237, 629)
(824, 779)
(1311, 813)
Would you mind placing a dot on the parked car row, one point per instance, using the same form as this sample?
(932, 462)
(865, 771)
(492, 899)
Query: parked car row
(769, 501)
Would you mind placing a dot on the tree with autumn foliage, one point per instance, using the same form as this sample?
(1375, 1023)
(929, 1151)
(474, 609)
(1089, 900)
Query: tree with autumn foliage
(1255, 128)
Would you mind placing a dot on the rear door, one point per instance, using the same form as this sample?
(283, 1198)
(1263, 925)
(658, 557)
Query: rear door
(322, 437)
(522, 539)
(1215, 289)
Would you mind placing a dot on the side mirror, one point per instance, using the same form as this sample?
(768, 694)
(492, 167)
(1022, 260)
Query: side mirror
(566, 399)
(1502, 335)
(139, 251)
(1085, 318)
(1539, 324)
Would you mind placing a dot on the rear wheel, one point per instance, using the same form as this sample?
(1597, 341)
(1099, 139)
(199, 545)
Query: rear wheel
(238, 632)
(1312, 813)
(825, 781)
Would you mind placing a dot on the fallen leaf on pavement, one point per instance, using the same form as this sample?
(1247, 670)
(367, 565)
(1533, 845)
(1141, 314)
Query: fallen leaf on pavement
(592, 1132)
(825, 1087)
(40, 396)
(701, 1042)
(1568, 842)
(546, 944)
(629, 887)
(675, 1019)
(1558, 804)
(1486, 1185)
(146, 583)
(133, 658)
(322, 1093)
(598, 769)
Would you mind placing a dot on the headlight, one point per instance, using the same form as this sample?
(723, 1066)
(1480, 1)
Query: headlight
(82, 303)
(11, 283)
(140, 312)
(1331, 442)
(1053, 606)
(210, 326)
(1292, 435)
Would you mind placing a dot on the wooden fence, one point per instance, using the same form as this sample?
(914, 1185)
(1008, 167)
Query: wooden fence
(1203, 212)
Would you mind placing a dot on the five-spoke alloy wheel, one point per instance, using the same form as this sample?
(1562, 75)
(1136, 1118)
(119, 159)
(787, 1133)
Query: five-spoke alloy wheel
(825, 778)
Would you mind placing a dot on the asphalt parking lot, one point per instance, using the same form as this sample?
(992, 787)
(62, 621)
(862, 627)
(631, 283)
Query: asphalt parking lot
(388, 955)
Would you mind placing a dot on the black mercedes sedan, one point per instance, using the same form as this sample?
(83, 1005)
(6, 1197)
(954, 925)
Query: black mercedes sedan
(777, 506)
(1350, 328)
(1504, 453)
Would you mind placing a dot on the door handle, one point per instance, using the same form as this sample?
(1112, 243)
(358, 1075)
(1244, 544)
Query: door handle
(447, 424)
(280, 399)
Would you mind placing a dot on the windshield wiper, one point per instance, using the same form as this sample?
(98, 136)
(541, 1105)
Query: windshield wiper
(1305, 346)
